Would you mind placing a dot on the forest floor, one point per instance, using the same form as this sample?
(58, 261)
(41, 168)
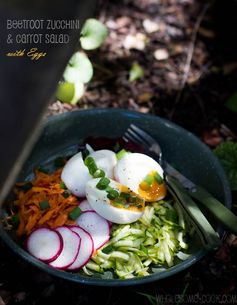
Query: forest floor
(190, 70)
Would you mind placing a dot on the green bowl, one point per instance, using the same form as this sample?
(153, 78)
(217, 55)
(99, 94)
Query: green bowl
(61, 136)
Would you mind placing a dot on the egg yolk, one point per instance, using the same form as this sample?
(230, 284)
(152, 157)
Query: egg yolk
(151, 188)
(128, 200)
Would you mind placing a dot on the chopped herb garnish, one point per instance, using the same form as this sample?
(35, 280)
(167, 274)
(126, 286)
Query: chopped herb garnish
(85, 153)
(108, 188)
(112, 194)
(124, 195)
(66, 194)
(75, 213)
(63, 186)
(90, 163)
(26, 186)
(99, 173)
(59, 162)
(149, 179)
(121, 154)
(107, 249)
(44, 205)
(158, 178)
(103, 183)
(119, 201)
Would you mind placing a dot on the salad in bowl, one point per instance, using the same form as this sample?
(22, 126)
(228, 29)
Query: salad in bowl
(101, 212)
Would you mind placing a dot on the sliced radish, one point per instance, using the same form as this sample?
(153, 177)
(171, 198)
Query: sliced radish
(86, 248)
(45, 244)
(85, 206)
(97, 226)
(71, 246)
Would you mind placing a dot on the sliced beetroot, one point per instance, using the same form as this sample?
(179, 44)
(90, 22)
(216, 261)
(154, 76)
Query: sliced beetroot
(45, 244)
(97, 226)
(86, 248)
(71, 246)
(85, 206)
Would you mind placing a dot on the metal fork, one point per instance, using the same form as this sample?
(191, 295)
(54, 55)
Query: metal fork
(209, 237)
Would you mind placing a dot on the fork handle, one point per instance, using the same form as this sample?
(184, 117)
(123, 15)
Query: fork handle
(227, 218)
(208, 235)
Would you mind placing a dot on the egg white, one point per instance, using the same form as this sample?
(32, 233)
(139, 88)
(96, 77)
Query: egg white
(75, 174)
(101, 204)
(133, 168)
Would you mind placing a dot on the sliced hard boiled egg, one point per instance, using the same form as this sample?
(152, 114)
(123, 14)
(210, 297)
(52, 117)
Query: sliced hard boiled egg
(75, 174)
(113, 201)
(141, 174)
(106, 160)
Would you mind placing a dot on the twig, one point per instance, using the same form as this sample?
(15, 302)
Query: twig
(189, 57)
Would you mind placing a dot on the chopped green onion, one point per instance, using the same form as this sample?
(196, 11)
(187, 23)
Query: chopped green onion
(75, 213)
(158, 178)
(149, 179)
(108, 249)
(108, 188)
(119, 202)
(66, 194)
(103, 183)
(112, 194)
(90, 163)
(85, 153)
(121, 154)
(63, 186)
(26, 187)
(125, 195)
(44, 205)
(99, 173)
(59, 162)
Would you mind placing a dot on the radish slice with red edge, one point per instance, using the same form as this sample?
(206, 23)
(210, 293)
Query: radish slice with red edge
(85, 206)
(86, 248)
(97, 226)
(71, 246)
(45, 244)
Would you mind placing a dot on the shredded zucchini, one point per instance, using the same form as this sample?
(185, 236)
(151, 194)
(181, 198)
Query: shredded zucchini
(152, 241)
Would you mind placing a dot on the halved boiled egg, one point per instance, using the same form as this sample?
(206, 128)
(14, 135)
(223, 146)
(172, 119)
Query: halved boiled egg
(113, 201)
(141, 174)
(75, 174)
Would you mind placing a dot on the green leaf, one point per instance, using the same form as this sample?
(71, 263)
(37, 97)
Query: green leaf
(135, 72)
(79, 68)
(93, 34)
(227, 154)
(231, 103)
(69, 92)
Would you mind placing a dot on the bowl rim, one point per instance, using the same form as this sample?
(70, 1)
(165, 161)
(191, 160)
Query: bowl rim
(121, 282)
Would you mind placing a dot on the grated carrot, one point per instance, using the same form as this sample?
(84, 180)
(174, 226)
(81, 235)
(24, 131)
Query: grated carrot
(45, 187)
